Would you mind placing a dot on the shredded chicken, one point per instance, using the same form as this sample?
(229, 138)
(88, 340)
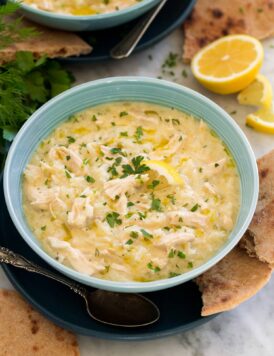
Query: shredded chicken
(70, 159)
(174, 238)
(117, 187)
(75, 257)
(81, 213)
(40, 198)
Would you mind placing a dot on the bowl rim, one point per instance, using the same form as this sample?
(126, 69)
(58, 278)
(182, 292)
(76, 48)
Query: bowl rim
(131, 287)
(99, 17)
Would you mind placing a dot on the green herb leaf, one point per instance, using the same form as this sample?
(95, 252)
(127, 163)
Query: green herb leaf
(153, 184)
(90, 179)
(156, 204)
(181, 255)
(113, 219)
(138, 167)
(146, 234)
(195, 208)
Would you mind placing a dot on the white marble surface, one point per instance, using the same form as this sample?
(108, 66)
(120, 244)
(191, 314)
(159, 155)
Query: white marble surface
(247, 330)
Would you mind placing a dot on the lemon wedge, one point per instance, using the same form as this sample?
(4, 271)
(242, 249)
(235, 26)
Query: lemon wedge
(229, 64)
(262, 120)
(258, 93)
(165, 170)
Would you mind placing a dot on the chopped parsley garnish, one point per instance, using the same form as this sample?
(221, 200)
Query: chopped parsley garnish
(153, 184)
(173, 274)
(155, 269)
(43, 228)
(97, 252)
(129, 204)
(107, 268)
(190, 265)
(116, 150)
(139, 134)
(113, 219)
(155, 204)
(171, 197)
(124, 134)
(112, 169)
(129, 242)
(142, 216)
(146, 234)
(181, 255)
(136, 168)
(134, 234)
(171, 60)
(171, 253)
(90, 179)
(184, 73)
(85, 161)
(68, 158)
(94, 118)
(71, 139)
(216, 165)
(195, 208)
(83, 196)
(123, 113)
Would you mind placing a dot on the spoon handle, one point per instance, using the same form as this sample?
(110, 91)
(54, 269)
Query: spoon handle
(124, 48)
(9, 257)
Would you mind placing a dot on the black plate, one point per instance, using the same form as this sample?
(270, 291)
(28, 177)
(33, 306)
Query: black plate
(171, 16)
(180, 306)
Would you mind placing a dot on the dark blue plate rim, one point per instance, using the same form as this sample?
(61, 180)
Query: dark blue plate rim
(142, 45)
(102, 335)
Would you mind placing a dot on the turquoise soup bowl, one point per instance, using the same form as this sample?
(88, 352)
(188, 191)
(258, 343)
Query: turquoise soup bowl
(88, 22)
(44, 120)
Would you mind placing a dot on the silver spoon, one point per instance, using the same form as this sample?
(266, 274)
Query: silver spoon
(116, 309)
(124, 48)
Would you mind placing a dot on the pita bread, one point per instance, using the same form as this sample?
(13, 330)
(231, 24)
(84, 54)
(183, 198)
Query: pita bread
(48, 42)
(259, 241)
(262, 231)
(23, 331)
(213, 19)
(232, 281)
(266, 175)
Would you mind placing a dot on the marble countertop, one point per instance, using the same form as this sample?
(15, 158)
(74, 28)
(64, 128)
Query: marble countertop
(247, 330)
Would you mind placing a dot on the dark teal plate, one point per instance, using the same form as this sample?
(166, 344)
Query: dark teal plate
(171, 16)
(180, 306)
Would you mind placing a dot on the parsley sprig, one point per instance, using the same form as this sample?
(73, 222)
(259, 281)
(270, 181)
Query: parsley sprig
(25, 83)
(136, 167)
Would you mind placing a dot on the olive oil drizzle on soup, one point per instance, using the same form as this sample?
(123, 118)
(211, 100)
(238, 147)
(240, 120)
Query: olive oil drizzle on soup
(131, 192)
(82, 7)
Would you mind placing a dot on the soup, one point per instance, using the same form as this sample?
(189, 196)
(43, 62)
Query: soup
(131, 191)
(82, 7)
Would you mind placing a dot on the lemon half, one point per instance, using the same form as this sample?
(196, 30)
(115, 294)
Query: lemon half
(229, 64)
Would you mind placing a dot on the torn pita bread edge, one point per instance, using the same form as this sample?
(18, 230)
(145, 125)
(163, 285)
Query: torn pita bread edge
(232, 281)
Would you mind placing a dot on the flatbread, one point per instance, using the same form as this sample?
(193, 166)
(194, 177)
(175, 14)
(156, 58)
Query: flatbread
(262, 231)
(259, 241)
(266, 175)
(49, 42)
(232, 281)
(213, 19)
(23, 331)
